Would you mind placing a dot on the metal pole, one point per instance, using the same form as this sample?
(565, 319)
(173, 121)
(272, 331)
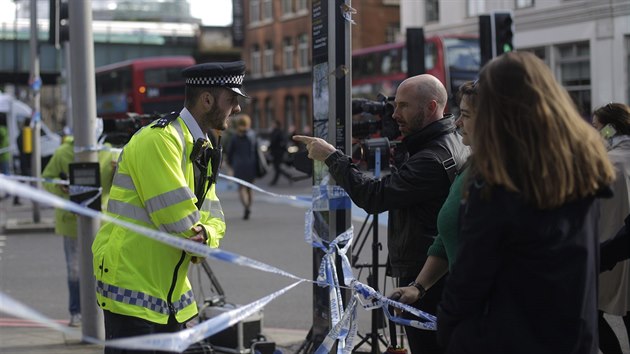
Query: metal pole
(35, 84)
(84, 115)
(66, 96)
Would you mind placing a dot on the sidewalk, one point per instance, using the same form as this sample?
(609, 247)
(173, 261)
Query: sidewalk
(37, 340)
(19, 336)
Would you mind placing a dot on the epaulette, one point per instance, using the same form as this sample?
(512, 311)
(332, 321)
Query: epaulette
(166, 120)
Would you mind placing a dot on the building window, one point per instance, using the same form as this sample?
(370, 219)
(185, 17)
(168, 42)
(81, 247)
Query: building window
(391, 32)
(255, 113)
(268, 59)
(267, 9)
(287, 7)
(255, 64)
(269, 113)
(573, 68)
(521, 4)
(430, 55)
(289, 53)
(301, 5)
(303, 116)
(432, 10)
(254, 11)
(540, 52)
(475, 7)
(303, 48)
(289, 112)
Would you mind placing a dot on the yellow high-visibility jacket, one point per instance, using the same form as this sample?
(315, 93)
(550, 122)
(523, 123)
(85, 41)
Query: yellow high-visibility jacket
(154, 187)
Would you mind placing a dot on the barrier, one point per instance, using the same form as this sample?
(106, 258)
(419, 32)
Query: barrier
(343, 324)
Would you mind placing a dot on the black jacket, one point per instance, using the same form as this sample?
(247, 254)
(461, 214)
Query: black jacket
(525, 279)
(413, 194)
(616, 249)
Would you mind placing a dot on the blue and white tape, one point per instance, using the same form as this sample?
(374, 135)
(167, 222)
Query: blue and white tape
(344, 325)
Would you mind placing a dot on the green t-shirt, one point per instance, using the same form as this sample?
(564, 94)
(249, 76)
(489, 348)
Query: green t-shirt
(445, 244)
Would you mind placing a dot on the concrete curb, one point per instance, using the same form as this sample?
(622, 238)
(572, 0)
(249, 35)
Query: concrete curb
(15, 226)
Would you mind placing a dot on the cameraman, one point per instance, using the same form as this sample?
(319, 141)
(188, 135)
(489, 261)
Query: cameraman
(414, 193)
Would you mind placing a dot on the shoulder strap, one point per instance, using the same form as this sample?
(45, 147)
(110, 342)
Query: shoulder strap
(444, 157)
(165, 120)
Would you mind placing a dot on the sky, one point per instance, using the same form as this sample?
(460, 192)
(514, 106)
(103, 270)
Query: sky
(211, 12)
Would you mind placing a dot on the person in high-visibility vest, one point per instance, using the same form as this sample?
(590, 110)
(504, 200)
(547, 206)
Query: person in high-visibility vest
(165, 180)
(66, 221)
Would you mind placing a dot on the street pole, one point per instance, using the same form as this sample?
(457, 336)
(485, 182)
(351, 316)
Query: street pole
(66, 96)
(35, 83)
(331, 58)
(84, 115)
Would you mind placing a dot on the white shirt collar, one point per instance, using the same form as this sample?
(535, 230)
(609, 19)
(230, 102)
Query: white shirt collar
(192, 125)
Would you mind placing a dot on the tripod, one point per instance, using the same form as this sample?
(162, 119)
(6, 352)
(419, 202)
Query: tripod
(373, 337)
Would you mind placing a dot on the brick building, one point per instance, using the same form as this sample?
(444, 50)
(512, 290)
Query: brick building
(277, 50)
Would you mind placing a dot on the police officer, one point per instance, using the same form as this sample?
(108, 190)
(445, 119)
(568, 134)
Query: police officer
(165, 181)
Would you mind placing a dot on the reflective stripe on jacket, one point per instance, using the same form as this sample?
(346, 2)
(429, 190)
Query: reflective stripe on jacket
(153, 187)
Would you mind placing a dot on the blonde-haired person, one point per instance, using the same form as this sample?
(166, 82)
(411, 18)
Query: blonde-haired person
(613, 123)
(241, 156)
(525, 278)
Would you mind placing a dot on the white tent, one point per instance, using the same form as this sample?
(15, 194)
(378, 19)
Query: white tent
(16, 112)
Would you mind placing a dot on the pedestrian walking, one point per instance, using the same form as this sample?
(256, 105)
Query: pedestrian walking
(66, 221)
(613, 122)
(278, 149)
(242, 155)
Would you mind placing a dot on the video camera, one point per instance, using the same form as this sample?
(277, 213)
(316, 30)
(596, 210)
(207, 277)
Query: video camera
(368, 123)
(376, 129)
(119, 131)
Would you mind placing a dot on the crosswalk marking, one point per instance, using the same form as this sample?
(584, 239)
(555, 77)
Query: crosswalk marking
(18, 322)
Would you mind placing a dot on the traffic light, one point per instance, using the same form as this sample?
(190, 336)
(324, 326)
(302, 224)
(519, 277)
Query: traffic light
(496, 32)
(58, 30)
(503, 32)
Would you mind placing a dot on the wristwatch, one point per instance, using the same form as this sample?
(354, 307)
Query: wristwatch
(421, 288)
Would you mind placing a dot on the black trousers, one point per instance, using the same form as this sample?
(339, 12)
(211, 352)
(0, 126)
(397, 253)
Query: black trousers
(121, 326)
(422, 341)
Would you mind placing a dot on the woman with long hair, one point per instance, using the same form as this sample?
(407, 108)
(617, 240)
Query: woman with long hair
(525, 278)
(613, 123)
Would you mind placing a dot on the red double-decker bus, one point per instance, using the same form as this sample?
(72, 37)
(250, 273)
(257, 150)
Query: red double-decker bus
(143, 86)
(453, 59)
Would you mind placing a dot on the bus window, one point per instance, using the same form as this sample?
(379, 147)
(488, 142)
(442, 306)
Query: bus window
(386, 64)
(382, 68)
(143, 86)
(163, 75)
(430, 55)
(462, 54)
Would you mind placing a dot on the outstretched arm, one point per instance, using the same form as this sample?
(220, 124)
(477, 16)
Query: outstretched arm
(318, 149)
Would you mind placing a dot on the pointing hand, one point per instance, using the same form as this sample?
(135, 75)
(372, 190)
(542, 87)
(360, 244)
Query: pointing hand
(318, 149)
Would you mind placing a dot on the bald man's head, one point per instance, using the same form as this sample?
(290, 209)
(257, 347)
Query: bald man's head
(420, 101)
(429, 88)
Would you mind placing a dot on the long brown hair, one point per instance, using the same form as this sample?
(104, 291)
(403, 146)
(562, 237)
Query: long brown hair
(532, 140)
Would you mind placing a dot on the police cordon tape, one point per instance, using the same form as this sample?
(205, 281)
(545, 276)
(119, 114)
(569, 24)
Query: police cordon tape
(343, 326)
(174, 342)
